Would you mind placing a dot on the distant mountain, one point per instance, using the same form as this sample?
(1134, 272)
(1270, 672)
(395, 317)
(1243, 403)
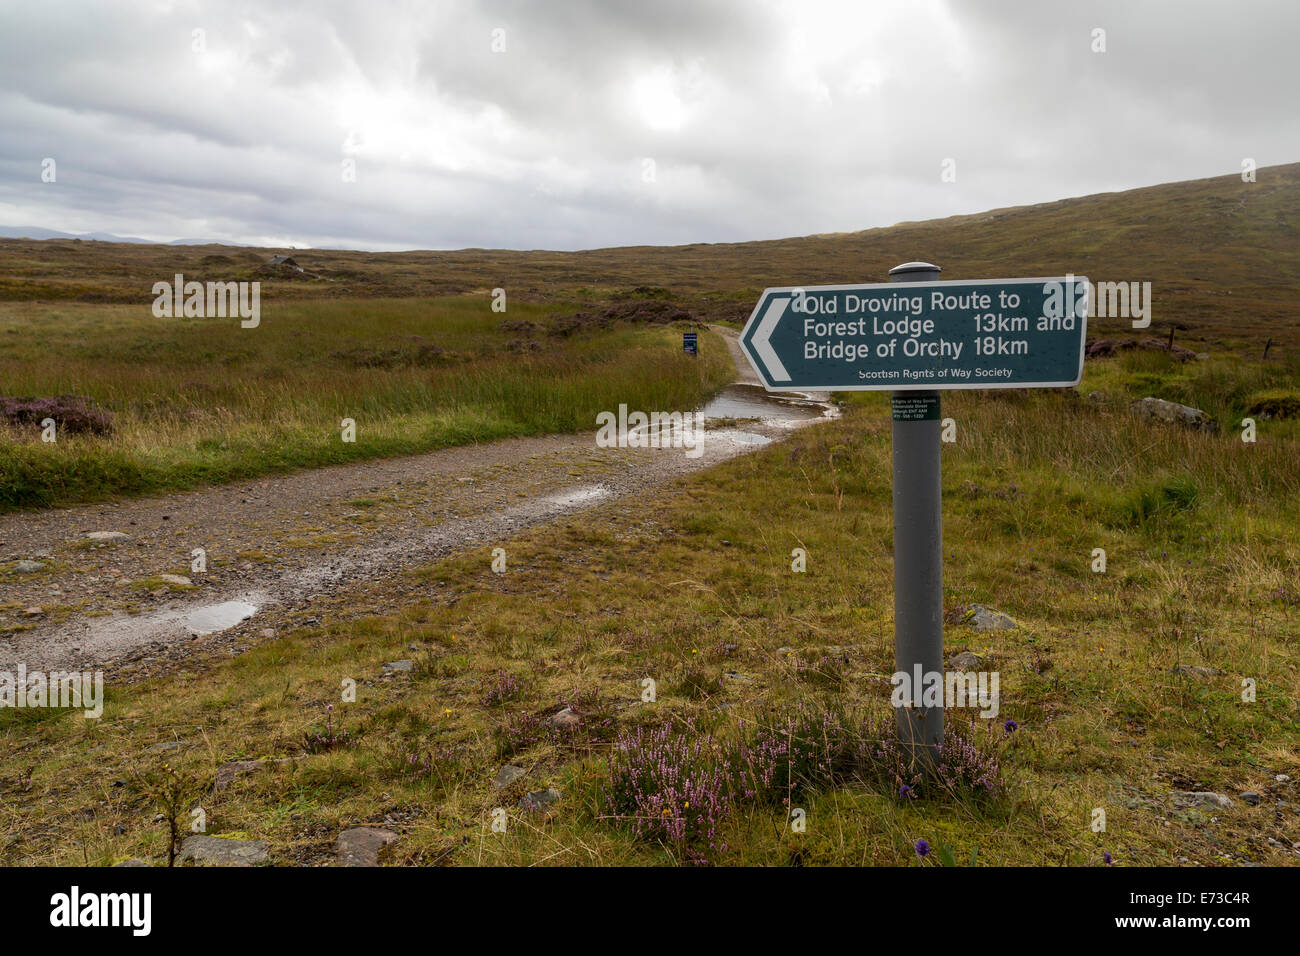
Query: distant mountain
(38, 233)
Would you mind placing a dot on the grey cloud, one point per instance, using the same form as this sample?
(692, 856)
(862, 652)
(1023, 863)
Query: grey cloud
(801, 118)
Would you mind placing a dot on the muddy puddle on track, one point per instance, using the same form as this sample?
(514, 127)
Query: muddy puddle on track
(101, 640)
(753, 401)
(745, 403)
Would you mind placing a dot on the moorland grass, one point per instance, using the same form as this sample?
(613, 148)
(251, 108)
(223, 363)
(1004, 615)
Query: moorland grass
(699, 595)
(1220, 253)
(202, 400)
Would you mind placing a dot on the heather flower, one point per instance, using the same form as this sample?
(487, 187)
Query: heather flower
(922, 849)
(1106, 857)
(315, 743)
(673, 786)
(906, 792)
(1010, 726)
(796, 750)
(505, 687)
(964, 767)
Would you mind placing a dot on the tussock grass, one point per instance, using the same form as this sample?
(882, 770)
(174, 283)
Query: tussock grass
(202, 400)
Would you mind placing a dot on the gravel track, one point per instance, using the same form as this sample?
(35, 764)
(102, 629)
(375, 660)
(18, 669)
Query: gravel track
(288, 544)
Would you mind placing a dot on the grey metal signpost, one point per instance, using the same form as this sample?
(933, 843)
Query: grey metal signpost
(918, 547)
(915, 336)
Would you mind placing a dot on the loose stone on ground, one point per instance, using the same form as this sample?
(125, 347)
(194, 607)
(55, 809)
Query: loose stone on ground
(360, 846)
(507, 775)
(222, 851)
(984, 619)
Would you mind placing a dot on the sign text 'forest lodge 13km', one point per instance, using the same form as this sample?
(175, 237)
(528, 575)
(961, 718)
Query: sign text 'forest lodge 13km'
(915, 336)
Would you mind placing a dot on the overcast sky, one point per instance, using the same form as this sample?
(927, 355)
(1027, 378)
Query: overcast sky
(568, 125)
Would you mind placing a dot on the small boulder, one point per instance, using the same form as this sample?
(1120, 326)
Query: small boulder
(507, 775)
(107, 537)
(1171, 413)
(34, 611)
(222, 851)
(1251, 798)
(28, 567)
(965, 661)
(539, 799)
(567, 719)
(178, 579)
(984, 619)
(398, 667)
(360, 846)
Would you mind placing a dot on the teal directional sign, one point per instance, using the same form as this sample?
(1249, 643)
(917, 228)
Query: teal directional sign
(986, 333)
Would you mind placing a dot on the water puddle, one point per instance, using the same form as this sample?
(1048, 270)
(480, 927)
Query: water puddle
(119, 632)
(218, 617)
(579, 496)
(754, 401)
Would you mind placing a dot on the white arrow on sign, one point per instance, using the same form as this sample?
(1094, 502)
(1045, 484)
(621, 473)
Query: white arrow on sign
(762, 344)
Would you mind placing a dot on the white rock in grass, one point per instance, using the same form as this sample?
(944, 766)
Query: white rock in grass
(1158, 410)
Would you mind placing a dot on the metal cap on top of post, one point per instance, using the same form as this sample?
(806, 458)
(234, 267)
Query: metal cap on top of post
(918, 551)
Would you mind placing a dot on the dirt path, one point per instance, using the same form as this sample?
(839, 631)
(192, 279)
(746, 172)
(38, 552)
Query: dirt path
(287, 546)
(745, 374)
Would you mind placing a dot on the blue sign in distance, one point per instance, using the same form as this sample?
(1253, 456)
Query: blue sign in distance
(689, 343)
(896, 336)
